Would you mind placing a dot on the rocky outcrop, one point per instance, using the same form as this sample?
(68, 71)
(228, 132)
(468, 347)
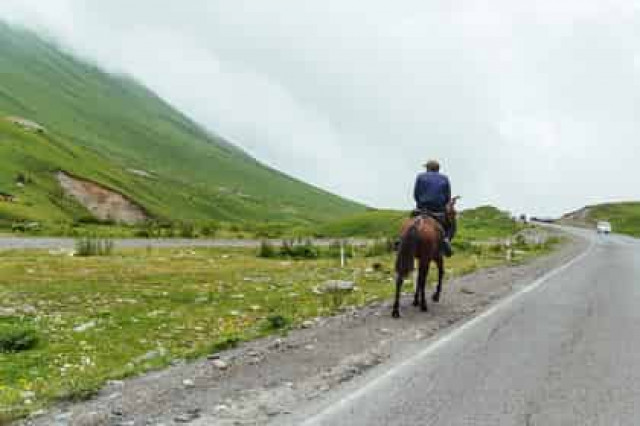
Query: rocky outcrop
(26, 124)
(103, 203)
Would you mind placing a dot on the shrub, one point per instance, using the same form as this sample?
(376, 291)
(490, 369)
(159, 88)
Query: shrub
(155, 229)
(18, 227)
(210, 229)
(187, 230)
(23, 178)
(298, 250)
(334, 250)
(88, 220)
(277, 322)
(306, 251)
(92, 246)
(290, 250)
(267, 250)
(379, 248)
(286, 249)
(26, 227)
(142, 233)
(17, 338)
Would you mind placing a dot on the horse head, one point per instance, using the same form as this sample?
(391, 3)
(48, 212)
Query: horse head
(451, 207)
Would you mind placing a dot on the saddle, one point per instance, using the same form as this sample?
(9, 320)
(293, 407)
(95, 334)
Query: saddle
(440, 218)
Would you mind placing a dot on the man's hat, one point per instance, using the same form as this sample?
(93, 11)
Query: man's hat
(432, 165)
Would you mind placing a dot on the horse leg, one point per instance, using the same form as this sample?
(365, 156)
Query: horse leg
(396, 304)
(423, 273)
(436, 295)
(416, 296)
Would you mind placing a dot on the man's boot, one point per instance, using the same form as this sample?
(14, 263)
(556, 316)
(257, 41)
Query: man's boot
(446, 248)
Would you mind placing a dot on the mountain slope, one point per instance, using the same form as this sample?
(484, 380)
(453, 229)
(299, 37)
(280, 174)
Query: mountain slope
(126, 138)
(624, 217)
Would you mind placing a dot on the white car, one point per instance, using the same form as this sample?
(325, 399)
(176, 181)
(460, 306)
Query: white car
(604, 228)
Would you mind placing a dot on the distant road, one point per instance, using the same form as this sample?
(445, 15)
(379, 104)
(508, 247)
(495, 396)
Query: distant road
(563, 351)
(51, 243)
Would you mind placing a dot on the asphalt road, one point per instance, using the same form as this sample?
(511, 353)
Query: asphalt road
(564, 350)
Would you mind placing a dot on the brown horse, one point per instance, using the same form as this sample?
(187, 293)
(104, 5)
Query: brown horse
(420, 239)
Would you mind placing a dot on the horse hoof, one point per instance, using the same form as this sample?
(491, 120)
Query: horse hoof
(436, 298)
(395, 314)
(416, 303)
(424, 309)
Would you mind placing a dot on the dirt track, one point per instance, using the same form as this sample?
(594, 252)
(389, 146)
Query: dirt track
(267, 379)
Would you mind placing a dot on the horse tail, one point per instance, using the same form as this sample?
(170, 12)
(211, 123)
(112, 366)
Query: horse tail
(405, 261)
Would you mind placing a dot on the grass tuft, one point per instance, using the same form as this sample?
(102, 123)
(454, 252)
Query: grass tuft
(17, 338)
(226, 343)
(277, 322)
(267, 250)
(92, 246)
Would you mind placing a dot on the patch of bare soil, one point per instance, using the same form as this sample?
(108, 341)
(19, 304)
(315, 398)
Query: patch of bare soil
(263, 381)
(102, 202)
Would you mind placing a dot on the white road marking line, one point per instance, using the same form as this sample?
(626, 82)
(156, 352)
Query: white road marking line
(443, 340)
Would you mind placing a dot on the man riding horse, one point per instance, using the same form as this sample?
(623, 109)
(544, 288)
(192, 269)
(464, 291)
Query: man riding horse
(433, 197)
(426, 237)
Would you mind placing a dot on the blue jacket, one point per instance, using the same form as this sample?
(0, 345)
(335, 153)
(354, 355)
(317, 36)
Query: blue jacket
(432, 191)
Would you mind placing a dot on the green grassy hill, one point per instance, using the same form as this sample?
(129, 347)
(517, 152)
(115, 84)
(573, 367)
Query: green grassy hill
(370, 224)
(481, 223)
(624, 217)
(103, 127)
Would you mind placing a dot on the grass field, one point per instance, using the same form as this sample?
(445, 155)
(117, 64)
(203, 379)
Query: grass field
(100, 318)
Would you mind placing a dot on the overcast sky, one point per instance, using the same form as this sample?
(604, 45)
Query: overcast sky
(532, 106)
